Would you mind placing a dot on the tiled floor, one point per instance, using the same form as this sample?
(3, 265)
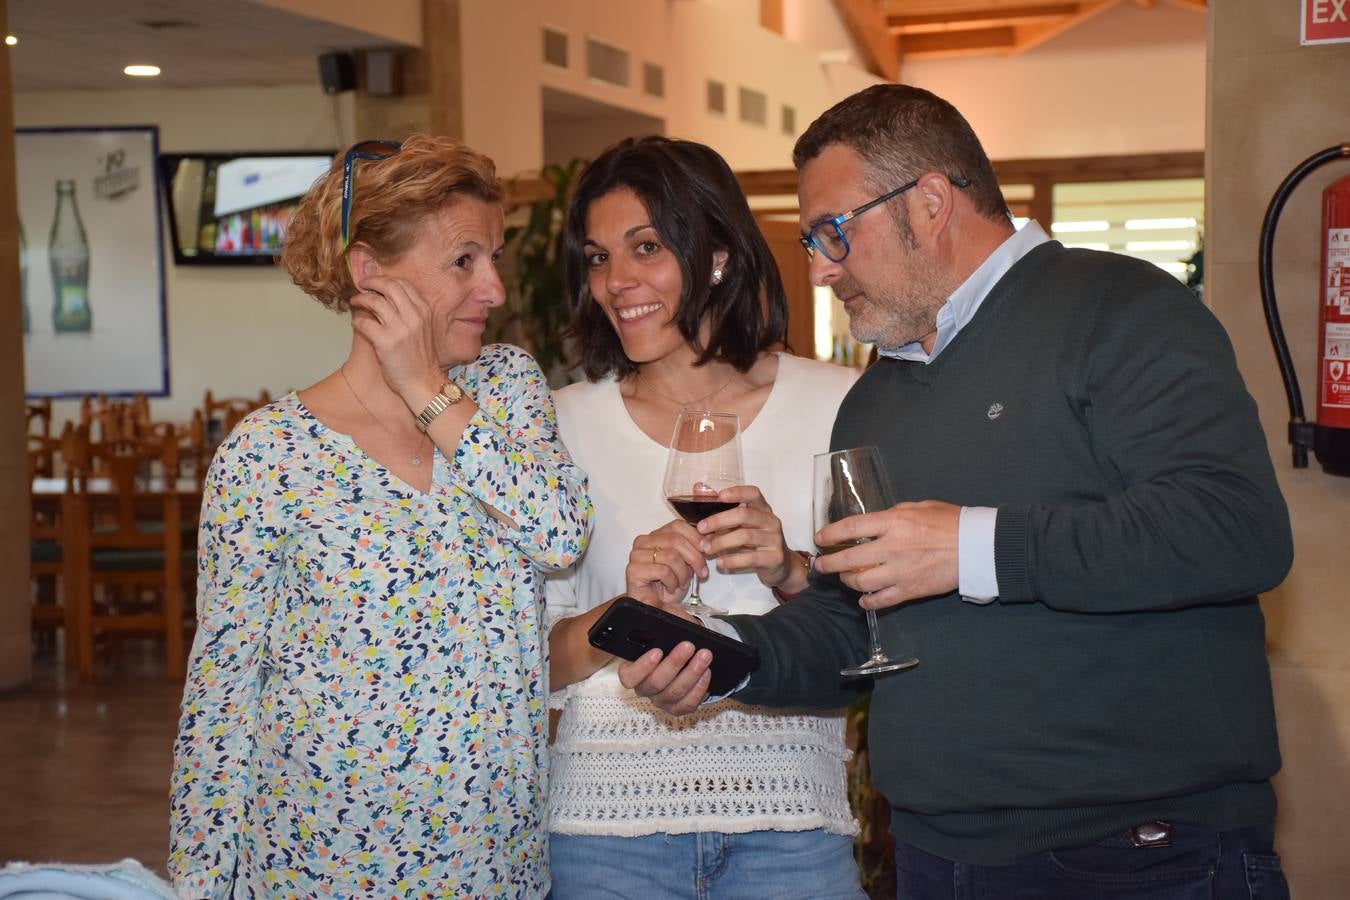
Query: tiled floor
(84, 767)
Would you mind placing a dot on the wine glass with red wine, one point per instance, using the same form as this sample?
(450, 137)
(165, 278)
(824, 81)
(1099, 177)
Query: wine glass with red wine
(705, 457)
(850, 483)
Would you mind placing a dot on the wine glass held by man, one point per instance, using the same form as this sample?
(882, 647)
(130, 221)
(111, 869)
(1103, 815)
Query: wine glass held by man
(677, 305)
(367, 672)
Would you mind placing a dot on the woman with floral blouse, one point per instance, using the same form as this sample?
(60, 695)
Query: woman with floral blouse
(365, 711)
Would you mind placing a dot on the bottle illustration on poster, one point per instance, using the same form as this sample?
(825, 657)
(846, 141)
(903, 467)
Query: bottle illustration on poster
(68, 255)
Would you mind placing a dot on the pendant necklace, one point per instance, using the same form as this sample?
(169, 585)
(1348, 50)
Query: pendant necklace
(682, 403)
(417, 451)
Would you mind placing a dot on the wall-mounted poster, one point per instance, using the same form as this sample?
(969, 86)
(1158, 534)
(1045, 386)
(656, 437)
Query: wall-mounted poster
(91, 261)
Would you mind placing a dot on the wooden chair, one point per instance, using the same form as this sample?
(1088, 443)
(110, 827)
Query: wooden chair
(133, 545)
(115, 419)
(221, 415)
(49, 520)
(194, 455)
(39, 413)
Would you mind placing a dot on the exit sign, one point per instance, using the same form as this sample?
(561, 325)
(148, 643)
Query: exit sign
(1325, 22)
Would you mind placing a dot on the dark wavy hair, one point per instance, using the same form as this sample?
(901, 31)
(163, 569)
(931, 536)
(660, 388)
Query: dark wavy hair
(900, 132)
(697, 208)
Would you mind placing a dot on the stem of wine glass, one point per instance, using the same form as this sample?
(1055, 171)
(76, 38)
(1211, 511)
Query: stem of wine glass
(874, 635)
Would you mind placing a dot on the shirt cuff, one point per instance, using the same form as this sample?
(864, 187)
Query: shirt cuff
(726, 629)
(978, 579)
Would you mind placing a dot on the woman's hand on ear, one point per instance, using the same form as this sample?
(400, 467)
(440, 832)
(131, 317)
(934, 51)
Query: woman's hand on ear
(396, 321)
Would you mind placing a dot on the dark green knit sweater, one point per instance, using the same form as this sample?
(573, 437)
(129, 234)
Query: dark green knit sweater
(1121, 675)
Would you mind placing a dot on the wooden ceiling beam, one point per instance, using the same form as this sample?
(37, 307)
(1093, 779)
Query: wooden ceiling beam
(952, 21)
(1029, 36)
(959, 43)
(866, 22)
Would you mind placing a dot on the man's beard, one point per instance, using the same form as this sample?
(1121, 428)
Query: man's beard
(895, 315)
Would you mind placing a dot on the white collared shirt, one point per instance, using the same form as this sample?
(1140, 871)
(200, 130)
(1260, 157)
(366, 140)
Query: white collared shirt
(978, 580)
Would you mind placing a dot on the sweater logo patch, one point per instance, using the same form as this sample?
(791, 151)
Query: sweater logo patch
(995, 411)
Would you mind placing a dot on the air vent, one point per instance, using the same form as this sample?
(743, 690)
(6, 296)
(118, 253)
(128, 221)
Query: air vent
(754, 107)
(606, 63)
(555, 48)
(717, 97)
(789, 119)
(653, 80)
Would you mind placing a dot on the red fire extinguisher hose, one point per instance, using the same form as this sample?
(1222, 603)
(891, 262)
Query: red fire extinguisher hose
(1301, 431)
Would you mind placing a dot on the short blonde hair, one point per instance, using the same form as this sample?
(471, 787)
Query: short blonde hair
(391, 200)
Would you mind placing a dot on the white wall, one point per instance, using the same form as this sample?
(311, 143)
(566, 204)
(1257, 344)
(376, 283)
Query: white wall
(233, 330)
(693, 41)
(1130, 80)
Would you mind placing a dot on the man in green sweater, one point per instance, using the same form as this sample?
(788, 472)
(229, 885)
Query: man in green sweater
(1088, 511)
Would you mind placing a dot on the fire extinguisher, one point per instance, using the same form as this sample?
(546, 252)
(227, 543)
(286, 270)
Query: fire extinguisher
(1329, 436)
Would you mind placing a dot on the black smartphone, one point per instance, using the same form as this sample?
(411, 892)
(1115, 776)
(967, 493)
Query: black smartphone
(630, 628)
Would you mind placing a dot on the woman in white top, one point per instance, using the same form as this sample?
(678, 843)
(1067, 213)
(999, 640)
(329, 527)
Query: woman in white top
(677, 302)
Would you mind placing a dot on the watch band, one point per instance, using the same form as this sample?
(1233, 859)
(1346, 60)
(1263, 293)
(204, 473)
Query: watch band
(449, 394)
(783, 596)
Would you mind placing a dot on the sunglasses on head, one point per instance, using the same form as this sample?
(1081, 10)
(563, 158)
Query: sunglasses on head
(372, 151)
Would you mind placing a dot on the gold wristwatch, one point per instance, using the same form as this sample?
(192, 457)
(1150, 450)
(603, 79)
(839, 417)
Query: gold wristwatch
(449, 394)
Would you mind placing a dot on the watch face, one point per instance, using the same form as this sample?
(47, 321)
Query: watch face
(453, 392)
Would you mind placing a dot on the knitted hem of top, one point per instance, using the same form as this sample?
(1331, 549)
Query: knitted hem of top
(708, 824)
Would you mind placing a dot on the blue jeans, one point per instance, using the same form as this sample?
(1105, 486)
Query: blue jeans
(1199, 864)
(810, 865)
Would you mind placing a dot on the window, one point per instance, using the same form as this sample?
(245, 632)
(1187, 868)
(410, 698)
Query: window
(555, 48)
(717, 97)
(653, 80)
(754, 107)
(606, 63)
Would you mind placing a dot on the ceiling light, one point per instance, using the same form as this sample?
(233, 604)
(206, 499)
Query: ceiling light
(11, 40)
(1078, 227)
(1146, 246)
(1157, 224)
(1176, 268)
(141, 71)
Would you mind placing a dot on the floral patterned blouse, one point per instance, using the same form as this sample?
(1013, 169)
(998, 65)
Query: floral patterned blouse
(365, 712)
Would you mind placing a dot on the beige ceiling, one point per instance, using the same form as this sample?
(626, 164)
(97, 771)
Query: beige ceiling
(83, 44)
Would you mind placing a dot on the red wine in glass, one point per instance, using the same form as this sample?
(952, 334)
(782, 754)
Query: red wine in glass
(704, 458)
(694, 509)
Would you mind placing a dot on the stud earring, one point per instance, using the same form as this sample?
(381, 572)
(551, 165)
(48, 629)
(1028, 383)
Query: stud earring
(717, 276)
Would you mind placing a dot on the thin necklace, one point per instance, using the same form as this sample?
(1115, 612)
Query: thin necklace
(683, 402)
(417, 451)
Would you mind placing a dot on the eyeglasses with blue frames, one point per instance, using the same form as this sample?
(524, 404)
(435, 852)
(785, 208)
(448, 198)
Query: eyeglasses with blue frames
(828, 237)
(371, 151)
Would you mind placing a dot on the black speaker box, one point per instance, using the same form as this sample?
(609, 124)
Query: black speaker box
(337, 72)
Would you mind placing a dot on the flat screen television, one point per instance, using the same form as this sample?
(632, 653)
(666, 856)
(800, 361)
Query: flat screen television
(233, 208)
